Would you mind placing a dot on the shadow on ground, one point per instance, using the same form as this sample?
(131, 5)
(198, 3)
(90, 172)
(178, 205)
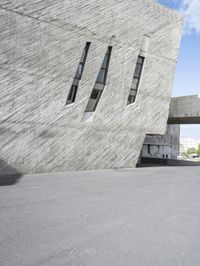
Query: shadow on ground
(8, 174)
(152, 162)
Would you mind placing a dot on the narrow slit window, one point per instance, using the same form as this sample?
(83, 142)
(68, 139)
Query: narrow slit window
(149, 149)
(78, 75)
(136, 80)
(100, 83)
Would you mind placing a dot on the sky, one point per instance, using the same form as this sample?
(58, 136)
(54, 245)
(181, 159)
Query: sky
(187, 78)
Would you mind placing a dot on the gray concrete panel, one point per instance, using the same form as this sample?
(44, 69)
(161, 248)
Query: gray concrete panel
(185, 110)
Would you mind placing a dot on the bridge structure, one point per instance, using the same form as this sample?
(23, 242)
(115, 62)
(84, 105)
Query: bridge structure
(185, 110)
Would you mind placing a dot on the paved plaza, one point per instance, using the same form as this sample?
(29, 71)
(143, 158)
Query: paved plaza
(136, 217)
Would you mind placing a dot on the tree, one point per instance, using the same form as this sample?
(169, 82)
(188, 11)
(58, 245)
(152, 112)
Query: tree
(191, 151)
(198, 150)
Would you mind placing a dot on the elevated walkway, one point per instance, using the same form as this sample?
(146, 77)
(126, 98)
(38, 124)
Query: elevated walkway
(185, 110)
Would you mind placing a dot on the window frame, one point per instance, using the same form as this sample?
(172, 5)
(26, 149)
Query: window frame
(100, 86)
(137, 78)
(78, 75)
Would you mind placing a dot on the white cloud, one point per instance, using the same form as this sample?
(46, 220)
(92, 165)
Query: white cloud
(191, 10)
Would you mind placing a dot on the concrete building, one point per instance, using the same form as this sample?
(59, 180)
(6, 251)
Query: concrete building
(185, 110)
(83, 83)
(163, 146)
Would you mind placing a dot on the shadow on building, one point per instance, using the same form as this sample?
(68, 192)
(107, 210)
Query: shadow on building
(8, 174)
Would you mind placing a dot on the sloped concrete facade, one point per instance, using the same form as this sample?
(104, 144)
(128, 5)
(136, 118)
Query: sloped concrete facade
(40, 49)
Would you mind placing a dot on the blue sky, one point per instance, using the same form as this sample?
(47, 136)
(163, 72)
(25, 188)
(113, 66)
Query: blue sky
(187, 78)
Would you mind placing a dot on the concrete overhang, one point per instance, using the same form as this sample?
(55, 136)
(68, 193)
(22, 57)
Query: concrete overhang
(185, 110)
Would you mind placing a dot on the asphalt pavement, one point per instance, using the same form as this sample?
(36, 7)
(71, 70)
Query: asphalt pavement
(137, 217)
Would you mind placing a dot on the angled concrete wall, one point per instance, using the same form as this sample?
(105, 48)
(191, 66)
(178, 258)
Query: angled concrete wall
(163, 146)
(185, 110)
(41, 44)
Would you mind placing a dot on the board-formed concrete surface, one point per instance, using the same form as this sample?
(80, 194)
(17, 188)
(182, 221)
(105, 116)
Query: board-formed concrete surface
(163, 146)
(40, 49)
(134, 217)
(185, 110)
